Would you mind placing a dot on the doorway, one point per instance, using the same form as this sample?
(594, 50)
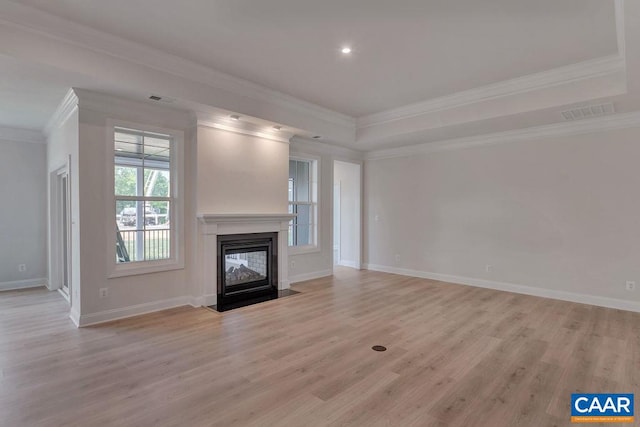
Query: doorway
(347, 207)
(61, 233)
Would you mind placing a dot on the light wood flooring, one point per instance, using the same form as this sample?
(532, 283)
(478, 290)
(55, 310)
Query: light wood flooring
(457, 355)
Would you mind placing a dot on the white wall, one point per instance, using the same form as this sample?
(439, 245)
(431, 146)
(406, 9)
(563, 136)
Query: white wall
(556, 214)
(23, 217)
(348, 176)
(131, 294)
(239, 173)
(319, 263)
(62, 150)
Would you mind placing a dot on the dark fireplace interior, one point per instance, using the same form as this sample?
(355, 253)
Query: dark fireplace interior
(247, 269)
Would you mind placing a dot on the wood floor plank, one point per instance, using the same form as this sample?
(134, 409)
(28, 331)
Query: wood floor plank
(457, 356)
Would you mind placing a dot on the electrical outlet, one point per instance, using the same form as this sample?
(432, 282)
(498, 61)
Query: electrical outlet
(397, 257)
(488, 268)
(22, 268)
(292, 265)
(104, 292)
(631, 285)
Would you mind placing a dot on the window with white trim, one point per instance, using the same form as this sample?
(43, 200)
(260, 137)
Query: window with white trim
(144, 196)
(303, 202)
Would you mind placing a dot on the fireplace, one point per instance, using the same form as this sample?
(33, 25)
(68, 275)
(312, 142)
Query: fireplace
(247, 269)
(237, 226)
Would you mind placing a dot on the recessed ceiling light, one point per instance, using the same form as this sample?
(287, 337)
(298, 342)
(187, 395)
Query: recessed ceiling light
(277, 128)
(346, 50)
(234, 117)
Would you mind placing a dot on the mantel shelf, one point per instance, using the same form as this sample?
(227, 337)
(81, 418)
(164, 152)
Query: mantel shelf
(244, 217)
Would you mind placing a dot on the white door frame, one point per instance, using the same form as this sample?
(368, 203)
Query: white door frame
(61, 232)
(336, 223)
(357, 263)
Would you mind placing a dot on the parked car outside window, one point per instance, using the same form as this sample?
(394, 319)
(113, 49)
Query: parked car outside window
(128, 216)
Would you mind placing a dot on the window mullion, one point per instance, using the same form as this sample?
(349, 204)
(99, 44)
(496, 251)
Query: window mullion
(140, 206)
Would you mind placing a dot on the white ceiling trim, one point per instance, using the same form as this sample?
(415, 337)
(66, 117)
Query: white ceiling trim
(600, 124)
(593, 68)
(34, 20)
(133, 111)
(63, 111)
(597, 67)
(620, 28)
(250, 129)
(44, 24)
(21, 135)
(301, 144)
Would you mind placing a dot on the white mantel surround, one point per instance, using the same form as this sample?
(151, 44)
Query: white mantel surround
(212, 225)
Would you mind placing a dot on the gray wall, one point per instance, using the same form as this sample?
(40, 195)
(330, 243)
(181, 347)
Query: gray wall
(23, 217)
(559, 214)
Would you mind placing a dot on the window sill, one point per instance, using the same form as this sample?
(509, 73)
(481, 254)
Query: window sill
(145, 267)
(301, 250)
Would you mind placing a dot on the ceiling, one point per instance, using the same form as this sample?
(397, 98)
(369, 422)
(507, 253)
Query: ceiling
(404, 51)
(421, 71)
(29, 93)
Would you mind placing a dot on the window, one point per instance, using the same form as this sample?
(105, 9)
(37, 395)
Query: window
(303, 201)
(146, 207)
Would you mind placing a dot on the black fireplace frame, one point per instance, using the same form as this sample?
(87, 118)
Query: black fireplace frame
(255, 291)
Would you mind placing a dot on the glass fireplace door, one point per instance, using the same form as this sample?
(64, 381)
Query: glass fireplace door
(243, 266)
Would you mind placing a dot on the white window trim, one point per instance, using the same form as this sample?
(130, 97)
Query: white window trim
(176, 262)
(316, 247)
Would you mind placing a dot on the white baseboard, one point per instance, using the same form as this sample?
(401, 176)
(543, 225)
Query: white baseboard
(351, 264)
(284, 284)
(510, 287)
(64, 294)
(75, 317)
(196, 301)
(310, 276)
(133, 310)
(209, 300)
(23, 284)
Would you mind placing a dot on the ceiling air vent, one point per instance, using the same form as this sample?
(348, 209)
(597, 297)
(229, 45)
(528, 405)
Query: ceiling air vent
(155, 98)
(588, 111)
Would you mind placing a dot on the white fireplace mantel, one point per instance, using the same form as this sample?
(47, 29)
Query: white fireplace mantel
(246, 217)
(212, 225)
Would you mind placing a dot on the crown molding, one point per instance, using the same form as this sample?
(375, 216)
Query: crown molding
(132, 110)
(313, 146)
(66, 107)
(558, 76)
(37, 22)
(42, 23)
(22, 135)
(600, 124)
(247, 128)
(620, 28)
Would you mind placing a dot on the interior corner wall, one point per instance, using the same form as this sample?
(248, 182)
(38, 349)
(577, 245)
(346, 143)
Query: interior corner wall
(306, 266)
(23, 217)
(558, 214)
(137, 293)
(62, 151)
